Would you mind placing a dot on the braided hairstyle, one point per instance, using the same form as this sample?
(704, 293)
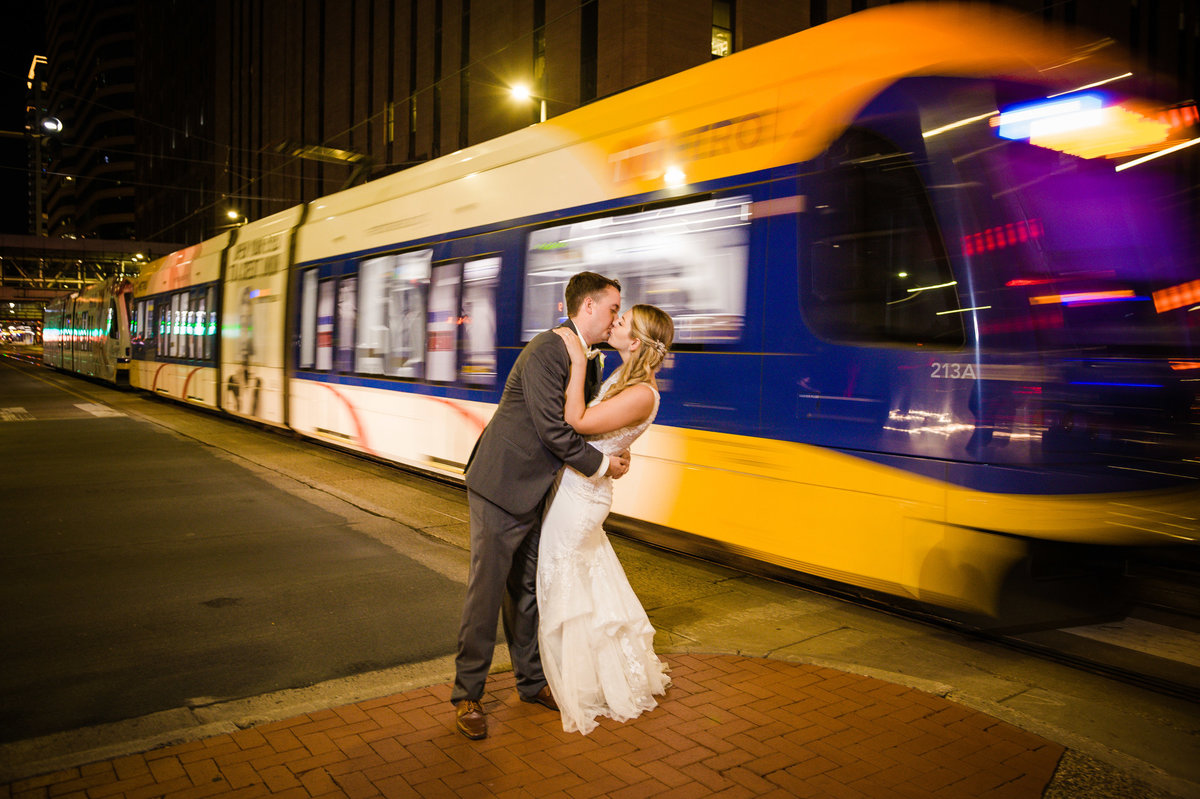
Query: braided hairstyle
(654, 329)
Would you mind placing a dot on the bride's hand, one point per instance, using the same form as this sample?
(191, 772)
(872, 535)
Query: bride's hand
(574, 346)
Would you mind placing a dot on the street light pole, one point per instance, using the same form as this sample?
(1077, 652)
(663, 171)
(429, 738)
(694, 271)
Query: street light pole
(38, 228)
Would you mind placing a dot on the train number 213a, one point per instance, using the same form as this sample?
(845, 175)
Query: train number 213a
(954, 371)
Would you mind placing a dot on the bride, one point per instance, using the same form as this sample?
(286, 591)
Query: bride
(596, 642)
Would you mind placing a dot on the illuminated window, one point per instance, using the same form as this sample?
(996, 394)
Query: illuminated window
(392, 294)
(478, 363)
(691, 260)
(308, 319)
(441, 330)
(722, 28)
(347, 319)
(324, 324)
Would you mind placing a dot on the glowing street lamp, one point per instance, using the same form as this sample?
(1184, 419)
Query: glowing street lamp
(521, 92)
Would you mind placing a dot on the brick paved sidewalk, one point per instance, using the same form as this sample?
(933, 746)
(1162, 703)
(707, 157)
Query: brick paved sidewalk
(729, 726)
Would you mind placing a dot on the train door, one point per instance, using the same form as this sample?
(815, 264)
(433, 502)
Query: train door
(53, 329)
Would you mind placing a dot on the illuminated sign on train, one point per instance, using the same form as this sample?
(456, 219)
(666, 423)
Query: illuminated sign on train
(653, 158)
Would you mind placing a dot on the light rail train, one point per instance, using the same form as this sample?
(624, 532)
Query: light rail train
(934, 340)
(88, 331)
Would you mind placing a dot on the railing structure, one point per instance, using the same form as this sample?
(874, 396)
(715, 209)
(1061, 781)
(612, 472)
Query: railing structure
(36, 269)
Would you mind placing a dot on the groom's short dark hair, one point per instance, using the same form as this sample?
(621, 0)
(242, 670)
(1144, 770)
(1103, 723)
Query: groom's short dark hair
(585, 284)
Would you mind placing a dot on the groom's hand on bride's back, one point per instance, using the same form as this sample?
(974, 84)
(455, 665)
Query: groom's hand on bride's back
(618, 464)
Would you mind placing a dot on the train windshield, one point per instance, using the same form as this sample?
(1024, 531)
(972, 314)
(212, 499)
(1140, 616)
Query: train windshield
(1085, 257)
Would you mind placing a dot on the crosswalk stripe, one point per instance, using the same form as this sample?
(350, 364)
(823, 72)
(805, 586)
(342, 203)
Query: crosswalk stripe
(97, 410)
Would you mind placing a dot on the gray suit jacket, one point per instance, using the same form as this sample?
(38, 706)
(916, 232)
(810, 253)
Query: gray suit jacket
(527, 441)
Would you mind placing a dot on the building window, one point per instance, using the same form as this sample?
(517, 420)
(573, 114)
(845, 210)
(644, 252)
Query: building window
(589, 48)
(722, 28)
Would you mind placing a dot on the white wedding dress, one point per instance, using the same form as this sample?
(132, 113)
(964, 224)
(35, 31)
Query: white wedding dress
(597, 645)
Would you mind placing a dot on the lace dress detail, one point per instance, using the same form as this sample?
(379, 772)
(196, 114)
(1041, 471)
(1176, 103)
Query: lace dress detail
(596, 642)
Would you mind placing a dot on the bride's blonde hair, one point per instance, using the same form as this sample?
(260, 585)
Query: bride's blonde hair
(654, 329)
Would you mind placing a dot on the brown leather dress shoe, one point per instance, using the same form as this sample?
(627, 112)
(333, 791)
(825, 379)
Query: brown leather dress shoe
(543, 698)
(470, 719)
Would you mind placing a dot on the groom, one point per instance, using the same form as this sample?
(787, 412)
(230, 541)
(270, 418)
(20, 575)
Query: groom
(509, 476)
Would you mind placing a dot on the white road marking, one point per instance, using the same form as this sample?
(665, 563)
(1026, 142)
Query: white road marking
(15, 414)
(1159, 640)
(97, 410)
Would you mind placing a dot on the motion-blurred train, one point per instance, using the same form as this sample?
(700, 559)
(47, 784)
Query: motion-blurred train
(937, 331)
(88, 331)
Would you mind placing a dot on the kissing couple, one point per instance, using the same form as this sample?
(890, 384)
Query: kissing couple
(593, 652)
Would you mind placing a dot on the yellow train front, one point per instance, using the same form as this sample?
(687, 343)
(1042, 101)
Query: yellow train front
(936, 338)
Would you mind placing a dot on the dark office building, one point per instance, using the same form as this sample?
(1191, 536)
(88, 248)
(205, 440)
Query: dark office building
(87, 185)
(246, 107)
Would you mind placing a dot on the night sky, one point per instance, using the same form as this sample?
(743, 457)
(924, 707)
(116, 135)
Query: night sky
(21, 37)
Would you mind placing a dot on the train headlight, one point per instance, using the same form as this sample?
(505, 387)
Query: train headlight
(1082, 125)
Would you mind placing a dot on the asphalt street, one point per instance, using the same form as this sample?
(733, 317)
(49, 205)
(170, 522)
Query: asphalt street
(142, 570)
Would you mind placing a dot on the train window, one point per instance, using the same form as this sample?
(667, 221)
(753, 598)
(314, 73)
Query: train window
(442, 329)
(187, 333)
(112, 320)
(174, 344)
(392, 297)
(347, 310)
(162, 312)
(308, 319)
(210, 325)
(325, 306)
(877, 272)
(144, 329)
(403, 316)
(196, 325)
(479, 321)
(127, 306)
(690, 260)
(328, 317)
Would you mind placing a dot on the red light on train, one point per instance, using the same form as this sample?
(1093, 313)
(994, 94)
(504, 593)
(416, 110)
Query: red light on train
(1001, 236)
(1177, 296)
(1180, 116)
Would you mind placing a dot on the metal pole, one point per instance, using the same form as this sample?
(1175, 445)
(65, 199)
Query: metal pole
(38, 228)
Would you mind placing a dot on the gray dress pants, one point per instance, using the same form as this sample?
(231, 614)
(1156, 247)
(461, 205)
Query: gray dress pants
(502, 581)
